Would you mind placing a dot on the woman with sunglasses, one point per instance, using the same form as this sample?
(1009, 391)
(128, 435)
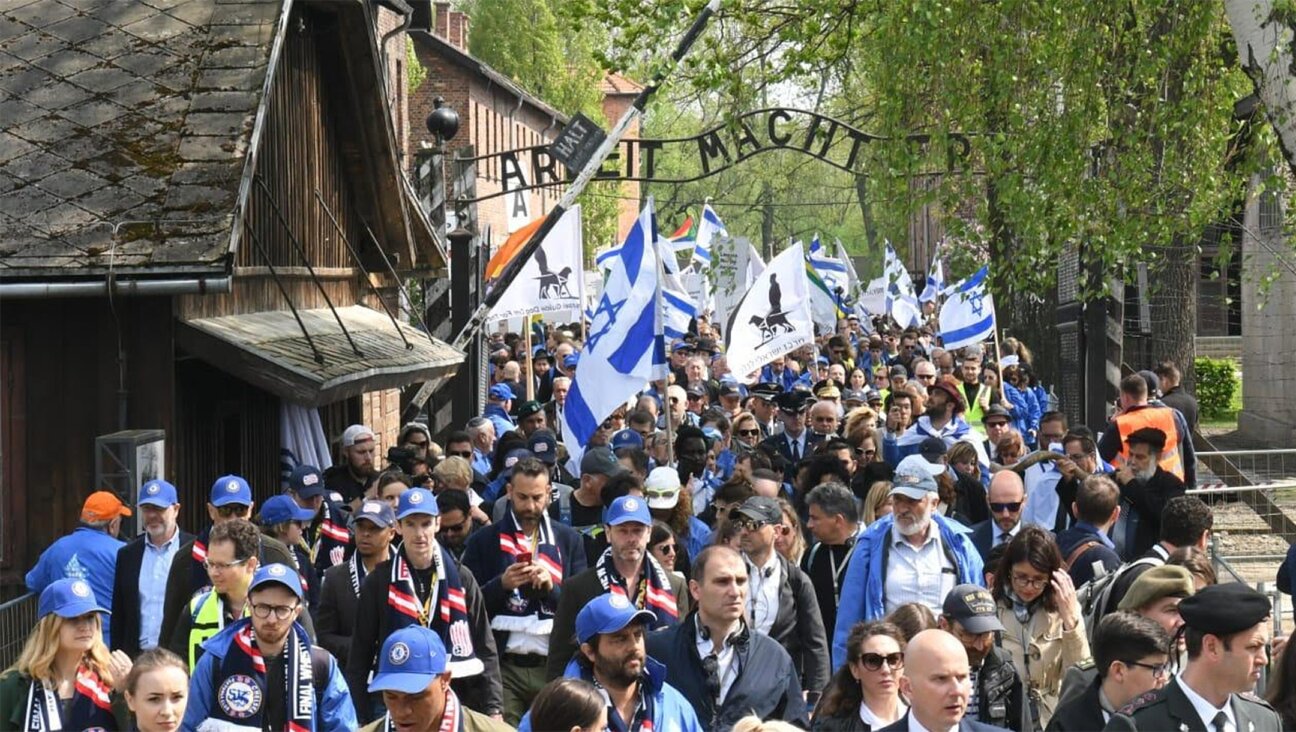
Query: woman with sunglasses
(788, 538)
(864, 694)
(746, 431)
(663, 546)
(1043, 626)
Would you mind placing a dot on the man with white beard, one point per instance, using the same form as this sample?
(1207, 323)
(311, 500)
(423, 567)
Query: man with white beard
(1146, 486)
(912, 555)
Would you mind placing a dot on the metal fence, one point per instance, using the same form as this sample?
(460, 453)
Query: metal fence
(17, 618)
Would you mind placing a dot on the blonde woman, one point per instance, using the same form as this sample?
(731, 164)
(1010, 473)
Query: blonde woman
(65, 677)
(790, 540)
(878, 502)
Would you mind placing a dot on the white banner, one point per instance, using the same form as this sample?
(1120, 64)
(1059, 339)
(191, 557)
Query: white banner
(729, 273)
(773, 317)
(550, 281)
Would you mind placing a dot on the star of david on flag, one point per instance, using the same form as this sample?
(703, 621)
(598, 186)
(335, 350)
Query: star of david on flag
(968, 315)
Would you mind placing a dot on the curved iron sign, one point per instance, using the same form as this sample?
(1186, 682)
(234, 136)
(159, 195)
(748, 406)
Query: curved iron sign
(719, 148)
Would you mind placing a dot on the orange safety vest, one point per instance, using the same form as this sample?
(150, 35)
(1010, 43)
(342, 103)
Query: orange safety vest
(1161, 418)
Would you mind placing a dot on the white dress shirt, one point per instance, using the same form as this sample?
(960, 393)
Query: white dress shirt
(999, 534)
(1041, 481)
(1206, 710)
(763, 592)
(726, 665)
(921, 574)
(916, 726)
(873, 721)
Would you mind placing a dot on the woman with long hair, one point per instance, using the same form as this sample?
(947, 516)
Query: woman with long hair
(1043, 628)
(567, 705)
(662, 545)
(1282, 686)
(157, 690)
(789, 539)
(877, 502)
(65, 678)
(970, 492)
(864, 694)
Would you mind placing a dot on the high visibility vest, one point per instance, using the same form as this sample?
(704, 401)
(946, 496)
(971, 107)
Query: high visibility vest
(973, 413)
(208, 618)
(1161, 418)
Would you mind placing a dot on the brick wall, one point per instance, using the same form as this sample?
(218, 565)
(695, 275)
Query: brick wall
(380, 412)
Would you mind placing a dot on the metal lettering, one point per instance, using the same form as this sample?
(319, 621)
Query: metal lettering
(710, 146)
(775, 137)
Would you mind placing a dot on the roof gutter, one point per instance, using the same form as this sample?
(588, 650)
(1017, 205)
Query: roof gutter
(115, 287)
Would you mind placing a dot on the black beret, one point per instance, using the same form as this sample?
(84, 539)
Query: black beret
(526, 409)
(1150, 436)
(1224, 609)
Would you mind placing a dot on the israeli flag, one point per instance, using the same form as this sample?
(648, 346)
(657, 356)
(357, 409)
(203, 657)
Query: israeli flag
(935, 279)
(968, 315)
(831, 270)
(678, 307)
(708, 229)
(901, 301)
(624, 342)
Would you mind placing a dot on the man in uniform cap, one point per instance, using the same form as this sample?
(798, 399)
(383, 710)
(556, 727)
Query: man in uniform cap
(1227, 634)
(762, 404)
(795, 442)
(530, 417)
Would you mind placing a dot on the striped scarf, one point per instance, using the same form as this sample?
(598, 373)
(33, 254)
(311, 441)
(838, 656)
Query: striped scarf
(242, 686)
(451, 718)
(527, 612)
(654, 592)
(198, 570)
(331, 544)
(91, 705)
(445, 610)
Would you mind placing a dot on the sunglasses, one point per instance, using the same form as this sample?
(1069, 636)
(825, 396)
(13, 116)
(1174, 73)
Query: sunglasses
(746, 524)
(666, 548)
(874, 661)
(466, 454)
(1012, 507)
(749, 433)
(694, 397)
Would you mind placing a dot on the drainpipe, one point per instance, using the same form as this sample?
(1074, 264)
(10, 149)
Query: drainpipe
(102, 288)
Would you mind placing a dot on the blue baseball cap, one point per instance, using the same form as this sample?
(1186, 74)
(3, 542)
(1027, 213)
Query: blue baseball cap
(282, 509)
(544, 445)
(280, 574)
(682, 346)
(626, 509)
(158, 493)
(501, 392)
(69, 598)
(231, 489)
(306, 481)
(627, 438)
(410, 659)
(607, 614)
(378, 512)
(417, 500)
(571, 361)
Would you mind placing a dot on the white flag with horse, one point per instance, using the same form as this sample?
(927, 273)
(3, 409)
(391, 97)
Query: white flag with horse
(773, 318)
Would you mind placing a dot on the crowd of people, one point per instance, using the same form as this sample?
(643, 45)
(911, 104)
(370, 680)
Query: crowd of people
(869, 533)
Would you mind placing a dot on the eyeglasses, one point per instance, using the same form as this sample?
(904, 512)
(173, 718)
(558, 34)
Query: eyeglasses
(281, 612)
(666, 548)
(234, 510)
(1012, 507)
(749, 433)
(869, 453)
(666, 494)
(747, 524)
(926, 377)
(1159, 670)
(694, 397)
(874, 661)
(1024, 581)
(996, 424)
(465, 454)
(223, 566)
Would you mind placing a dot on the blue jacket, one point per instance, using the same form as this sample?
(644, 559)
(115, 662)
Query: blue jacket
(500, 418)
(1082, 569)
(671, 711)
(862, 589)
(699, 537)
(1024, 414)
(85, 554)
(333, 707)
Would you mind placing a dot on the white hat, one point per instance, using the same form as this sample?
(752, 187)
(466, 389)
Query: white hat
(356, 433)
(662, 488)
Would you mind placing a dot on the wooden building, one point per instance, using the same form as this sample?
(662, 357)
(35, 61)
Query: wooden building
(202, 216)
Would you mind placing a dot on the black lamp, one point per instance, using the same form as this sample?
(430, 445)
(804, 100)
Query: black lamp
(443, 123)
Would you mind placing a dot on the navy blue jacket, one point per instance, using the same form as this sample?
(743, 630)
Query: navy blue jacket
(767, 684)
(1082, 568)
(966, 725)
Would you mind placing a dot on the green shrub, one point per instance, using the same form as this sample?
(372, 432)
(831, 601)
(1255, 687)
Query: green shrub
(1217, 382)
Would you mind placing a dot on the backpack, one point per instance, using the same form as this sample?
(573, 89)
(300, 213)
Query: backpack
(1094, 596)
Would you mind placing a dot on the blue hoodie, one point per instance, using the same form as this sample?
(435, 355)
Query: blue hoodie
(671, 711)
(862, 588)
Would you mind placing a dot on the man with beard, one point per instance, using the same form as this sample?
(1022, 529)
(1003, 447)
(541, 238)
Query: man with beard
(624, 568)
(522, 561)
(725, 670)
(913, 554)
(970, 615)
(352, 476)
(140, 578)
(941, 419)
(1227, 633)
(340, 593)
(782, 600)
(262, 672)
(611, 631)
(935, 682)
(1147, 487)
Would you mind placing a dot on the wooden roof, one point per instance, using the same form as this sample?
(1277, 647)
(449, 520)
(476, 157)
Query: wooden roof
(270, 351)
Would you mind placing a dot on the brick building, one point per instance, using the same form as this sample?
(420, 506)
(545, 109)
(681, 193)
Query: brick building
(496, 114)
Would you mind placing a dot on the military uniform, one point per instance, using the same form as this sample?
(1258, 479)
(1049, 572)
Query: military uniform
(1081, 712)
(1168, 709)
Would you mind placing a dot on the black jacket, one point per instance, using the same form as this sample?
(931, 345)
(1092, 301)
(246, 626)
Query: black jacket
(767, 684)
(778, 445)
(1082, 567)
(1183, 401)
(1081, 714)
(336, 616)
(971, 499)
(124, 624)
(965, 725)
(799, 628)
(482, 693)
(1168, 708)
(1149, 499)
(999, 692)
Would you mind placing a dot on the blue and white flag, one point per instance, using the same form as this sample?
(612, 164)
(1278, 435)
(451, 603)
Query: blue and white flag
(624, 339)
(678, 307)
(830, 269)
(968, 315)
(708, 229)
(901, 301)
(935, 280)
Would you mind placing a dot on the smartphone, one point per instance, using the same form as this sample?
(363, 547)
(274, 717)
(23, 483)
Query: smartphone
(524, 558)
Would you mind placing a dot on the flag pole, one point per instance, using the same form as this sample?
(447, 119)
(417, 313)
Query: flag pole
(998, 357)
(592, 166)
(530, 382)
(659, 328)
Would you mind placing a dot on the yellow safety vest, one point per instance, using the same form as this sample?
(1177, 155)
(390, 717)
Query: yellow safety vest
(208, 618)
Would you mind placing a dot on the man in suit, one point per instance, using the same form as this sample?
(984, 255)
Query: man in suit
(795, 443)
(340, 591)
(140, 580)
(1129, 654)
(1007, 497)
(1227, 634)
(937, 683)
